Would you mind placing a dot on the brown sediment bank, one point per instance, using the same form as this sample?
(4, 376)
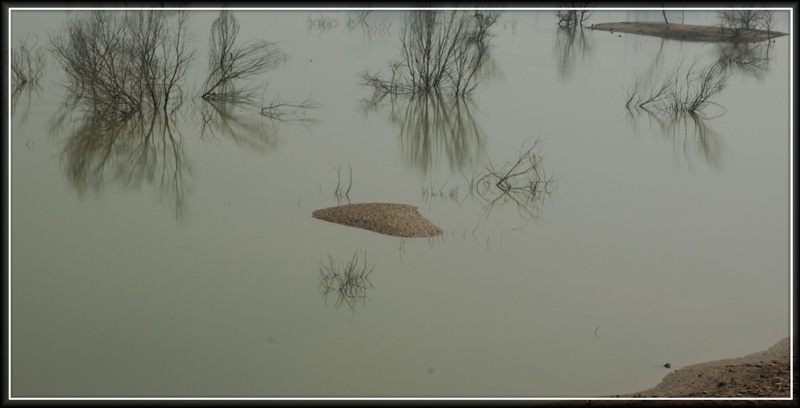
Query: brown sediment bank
(687, 32)
(762, 375)
(765, 374)
(400, 220)
(759, 375)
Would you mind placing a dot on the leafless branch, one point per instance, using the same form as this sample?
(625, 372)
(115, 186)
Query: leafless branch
(440, 50)
(119, 63)
(683, 91)
(27, 62)
(228, 63)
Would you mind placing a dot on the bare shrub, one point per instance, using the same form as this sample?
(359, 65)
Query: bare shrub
(522, 182)
(228, 63)
(27, 62)
(349, 280)
(739, 21)
(767, 23)
(440, 50)
(575, 16)
(118, 63)
(693, 91)
(644, 94)
(682, 91)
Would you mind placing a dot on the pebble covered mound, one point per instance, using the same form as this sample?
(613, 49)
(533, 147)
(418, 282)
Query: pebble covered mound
(399, 220)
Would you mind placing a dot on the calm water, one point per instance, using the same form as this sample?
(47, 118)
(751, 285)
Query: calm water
(188, 265)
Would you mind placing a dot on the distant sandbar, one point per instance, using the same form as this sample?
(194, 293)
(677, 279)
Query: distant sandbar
(687, 32)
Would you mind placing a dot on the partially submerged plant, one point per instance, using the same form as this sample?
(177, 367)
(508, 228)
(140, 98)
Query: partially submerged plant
(681, 92)
(119, 63)
(440, 51)
(574, 13)
(27, 62)
(742, 20)
(228, 63)
(522, 181)
(341, 192)
(349, 280)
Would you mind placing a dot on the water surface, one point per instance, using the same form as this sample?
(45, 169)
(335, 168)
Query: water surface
(195, 271)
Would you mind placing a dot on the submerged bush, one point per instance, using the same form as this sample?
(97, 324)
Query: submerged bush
(682, 91)
(228, 63)
(574, 17)
(118, 63)
(440, 50)
(349, 280)
(27, 62)
(740, 21)
(522, 182)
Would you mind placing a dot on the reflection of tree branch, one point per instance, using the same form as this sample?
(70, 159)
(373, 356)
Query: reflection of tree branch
(431, 127)
(281, 109)
(254, 131)
(745, 57)
(323, 24)
(57, 124)
(359, 20)
(128, 153)
(342, 193)
(571, 42)
(27, 62)
(29, 89)
(689, 134)
(432, 191)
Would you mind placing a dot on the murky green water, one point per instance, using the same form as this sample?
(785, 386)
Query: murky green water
(173, 258)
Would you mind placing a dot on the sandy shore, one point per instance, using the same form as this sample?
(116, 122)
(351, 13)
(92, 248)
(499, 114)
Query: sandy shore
(764, 374)
(761, 375)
